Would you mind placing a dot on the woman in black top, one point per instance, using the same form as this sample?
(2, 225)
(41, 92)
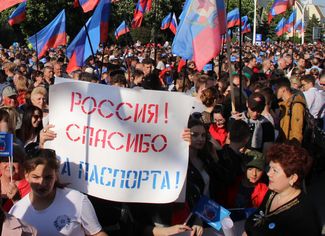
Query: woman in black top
(285, 209)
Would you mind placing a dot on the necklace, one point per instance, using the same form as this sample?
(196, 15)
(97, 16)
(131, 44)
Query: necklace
(261, 217)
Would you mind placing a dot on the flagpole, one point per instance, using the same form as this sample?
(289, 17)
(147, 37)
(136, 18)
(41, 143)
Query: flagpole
(240, 56)
(36, 52)
(254, 29)
(184, 78)
(90, 44)
(155, 32)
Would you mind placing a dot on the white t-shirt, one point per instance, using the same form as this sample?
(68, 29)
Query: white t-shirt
(71, 213)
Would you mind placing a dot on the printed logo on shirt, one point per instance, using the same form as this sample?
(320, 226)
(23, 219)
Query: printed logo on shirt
(61, 222)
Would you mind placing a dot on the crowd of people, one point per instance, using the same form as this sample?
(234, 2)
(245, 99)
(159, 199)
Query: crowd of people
(248, 146)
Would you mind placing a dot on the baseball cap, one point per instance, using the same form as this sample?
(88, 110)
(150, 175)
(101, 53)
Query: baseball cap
(255, 159)
(9, 91)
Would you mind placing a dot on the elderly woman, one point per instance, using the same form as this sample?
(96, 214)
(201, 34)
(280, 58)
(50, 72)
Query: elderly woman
(285, 209)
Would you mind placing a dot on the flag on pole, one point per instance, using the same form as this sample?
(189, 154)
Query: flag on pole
(141, 7)
(88, 5)
(80, 48)
(278, 7)
(244, 20)
(50, 36)
(280, 28)
(5, 4)
(298, 25)
(246, 28)
(18, 15)
(222, 16)
(105, 13)
(198, 36)
(233, 18)
(170, 22)
(122, 29)
(290, 22)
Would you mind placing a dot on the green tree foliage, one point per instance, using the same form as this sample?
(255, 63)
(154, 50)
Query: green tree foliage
(313, 22)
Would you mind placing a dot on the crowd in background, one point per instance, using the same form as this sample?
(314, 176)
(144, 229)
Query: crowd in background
(247, 137)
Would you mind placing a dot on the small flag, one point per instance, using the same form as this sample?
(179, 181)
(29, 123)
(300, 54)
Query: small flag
(141, 7)
(278, 7)
(88, 5)
(5, 4)
(51, 36)
(211, 212)
(280, 28)
(170, 22)
(122, 29)
(233, 18)
(18, 15)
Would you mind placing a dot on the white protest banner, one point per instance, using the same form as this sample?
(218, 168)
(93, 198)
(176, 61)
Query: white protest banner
(120, 144)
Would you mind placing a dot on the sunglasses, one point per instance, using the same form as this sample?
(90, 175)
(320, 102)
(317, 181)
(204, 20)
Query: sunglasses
(36, 117)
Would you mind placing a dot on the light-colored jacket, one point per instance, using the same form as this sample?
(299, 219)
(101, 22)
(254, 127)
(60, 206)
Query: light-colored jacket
(15, 227)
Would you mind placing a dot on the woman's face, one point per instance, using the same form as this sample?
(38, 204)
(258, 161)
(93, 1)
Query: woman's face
(219, 120)
(198, 134)
(36, 119)
(42, 180)
(5, 168)
(38, 100)
(254, 174)
(278, 181)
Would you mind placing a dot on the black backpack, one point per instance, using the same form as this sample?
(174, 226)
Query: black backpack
(313, 136)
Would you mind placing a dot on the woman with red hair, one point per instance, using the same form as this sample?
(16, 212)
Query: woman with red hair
(285, 209)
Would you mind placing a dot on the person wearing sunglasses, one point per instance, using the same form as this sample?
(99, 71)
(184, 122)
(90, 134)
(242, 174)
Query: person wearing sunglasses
(32, 131)
(51, 207)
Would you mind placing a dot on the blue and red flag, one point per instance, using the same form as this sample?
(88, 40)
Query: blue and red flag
(246, 28)
(299, 26)
(170, 22)
(5, 4)
(198, 36)
(278, 7)
(18, 15)
(81, 47)
(211, 212)
(291, 21)
(141, 7)
(233, 18)
(51, 36)
(280, 28)
(244, 20)
(122, 29)
(88, 5)
(222, 16)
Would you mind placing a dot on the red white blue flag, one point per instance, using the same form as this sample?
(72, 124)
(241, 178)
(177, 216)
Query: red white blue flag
(281, 27)
(18, 15)
(198, 36)
(169, 22)
(51, 36)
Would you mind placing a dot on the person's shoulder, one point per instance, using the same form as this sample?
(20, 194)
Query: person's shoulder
(71, 193)
(13, 225)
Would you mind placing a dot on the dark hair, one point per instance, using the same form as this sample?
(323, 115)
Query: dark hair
(4, 115)
(293, 160)
(308, 79)
(45, 157)
(256, 102)
(27, 131)
(239, 131)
